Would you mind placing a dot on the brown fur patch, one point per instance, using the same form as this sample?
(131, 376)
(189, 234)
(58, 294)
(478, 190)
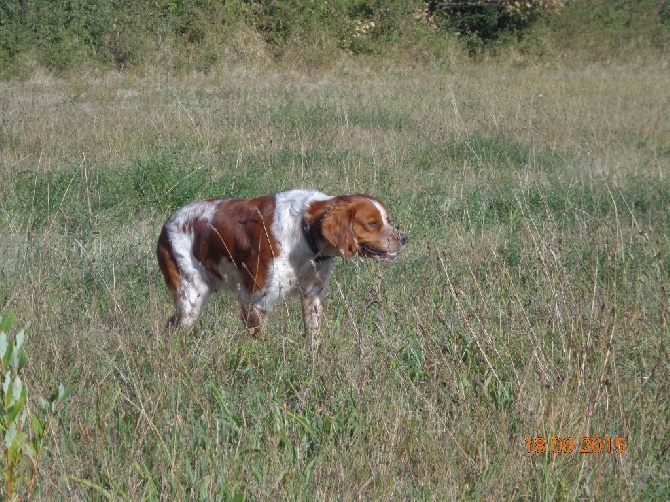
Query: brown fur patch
(240, 232)
(168, 263)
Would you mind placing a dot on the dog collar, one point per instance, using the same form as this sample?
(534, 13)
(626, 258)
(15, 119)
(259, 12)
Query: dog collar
(311, 242)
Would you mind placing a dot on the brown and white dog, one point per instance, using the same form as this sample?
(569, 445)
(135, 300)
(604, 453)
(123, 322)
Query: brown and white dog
(269, 248)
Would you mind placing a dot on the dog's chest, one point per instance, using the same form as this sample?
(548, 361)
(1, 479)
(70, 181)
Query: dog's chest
(298, 277)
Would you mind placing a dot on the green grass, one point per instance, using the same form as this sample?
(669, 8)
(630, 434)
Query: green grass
(531, 299)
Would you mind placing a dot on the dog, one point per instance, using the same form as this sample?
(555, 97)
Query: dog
(268, 248)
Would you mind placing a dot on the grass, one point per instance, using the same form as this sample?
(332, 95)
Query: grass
(531, 301)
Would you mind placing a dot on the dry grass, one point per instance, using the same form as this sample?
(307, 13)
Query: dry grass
(532, 300)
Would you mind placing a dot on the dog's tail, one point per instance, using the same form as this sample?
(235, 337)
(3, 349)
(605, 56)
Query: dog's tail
(168, 263)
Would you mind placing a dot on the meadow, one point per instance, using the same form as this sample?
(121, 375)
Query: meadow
(531, 301)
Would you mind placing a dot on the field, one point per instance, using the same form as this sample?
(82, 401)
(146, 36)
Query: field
(531, 301)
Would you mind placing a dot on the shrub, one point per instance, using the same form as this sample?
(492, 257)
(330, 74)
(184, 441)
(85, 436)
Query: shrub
(194, 35)
(21, 446)
(484, 21)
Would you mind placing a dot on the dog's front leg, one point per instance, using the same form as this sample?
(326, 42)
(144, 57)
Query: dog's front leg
(311, 316)
(254, 318)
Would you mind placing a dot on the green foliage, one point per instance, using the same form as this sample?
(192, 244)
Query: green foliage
(22, 444)
(354, 26)
(63, 35)
(11, 43)
(614, 28)
(110, 33)
(478, 24)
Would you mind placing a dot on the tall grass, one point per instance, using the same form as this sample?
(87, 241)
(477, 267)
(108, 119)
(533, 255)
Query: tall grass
(531, 301)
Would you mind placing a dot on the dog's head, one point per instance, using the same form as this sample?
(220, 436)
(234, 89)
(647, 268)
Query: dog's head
(357, 225)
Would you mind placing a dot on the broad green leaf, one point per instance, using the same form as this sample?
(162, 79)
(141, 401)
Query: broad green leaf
(25, 412)
(30, 451)
(16, 358)
(6, 321)
(23, 358)
(16, 444)
(38, 426)
(8, 387)
(18, 386)
(20, 338)
(10, 435)
(14, 391)
(8, 355)
(7, 383)
(16, 407)
(3, 344)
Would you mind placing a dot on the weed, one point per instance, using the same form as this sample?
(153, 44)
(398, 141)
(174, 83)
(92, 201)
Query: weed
(22, 446)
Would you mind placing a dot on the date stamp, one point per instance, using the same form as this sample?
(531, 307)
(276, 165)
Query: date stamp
(593, 445)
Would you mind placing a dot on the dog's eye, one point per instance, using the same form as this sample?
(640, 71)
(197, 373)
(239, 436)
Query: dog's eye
(373, 224)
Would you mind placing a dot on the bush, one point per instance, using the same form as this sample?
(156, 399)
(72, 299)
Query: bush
(481, 22)
(193, 35)
(21, 446)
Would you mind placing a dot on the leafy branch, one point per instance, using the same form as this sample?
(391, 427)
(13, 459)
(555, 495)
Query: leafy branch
(21, 446)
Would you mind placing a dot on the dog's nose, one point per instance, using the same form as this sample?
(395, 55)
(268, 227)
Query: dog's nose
(402, 237)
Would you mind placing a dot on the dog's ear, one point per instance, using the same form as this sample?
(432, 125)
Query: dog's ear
(336, 227)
